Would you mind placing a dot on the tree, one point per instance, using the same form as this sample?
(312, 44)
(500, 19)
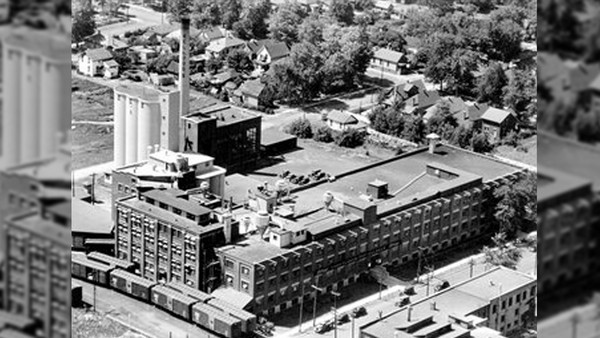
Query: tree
(300, 128)
(178, 9)
(323, 134)
(363, 5)
(213, 64)
(512, 212)
(351, 138)
(520, 91)
(442, 122)
(284, 24)
(462, 136)
(502, 253)
(83, 25)
(439, 7)
(482, 6)
(382, 35)
(414, 129)
(481, 144)
(587, 126)
(311, 29)
(160, 64)
(231, 10)
(239, 59)
(505, 38)
(253, 24)
(491, 85)
(342, 11)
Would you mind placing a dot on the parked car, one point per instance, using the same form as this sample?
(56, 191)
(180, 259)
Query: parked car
(343, 318)
(359, 311)
(133, 75)
(441, 286)
(403, 302)
(322, 328)
(410, 291)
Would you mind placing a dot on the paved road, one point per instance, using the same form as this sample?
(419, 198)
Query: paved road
(141, 316)
(85, 173)
(563, 325)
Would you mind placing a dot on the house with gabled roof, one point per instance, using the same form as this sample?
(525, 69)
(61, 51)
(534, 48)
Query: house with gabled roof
(221, 47)
(270, 52)
(252, 93)
(342, 121)
(94, 62)
(415, 97)
(497, 123)
(389, 60)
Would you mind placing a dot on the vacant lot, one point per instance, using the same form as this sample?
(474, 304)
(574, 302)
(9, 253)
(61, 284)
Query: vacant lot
(92, 144)
(91, 101)
(93, 324)
(527, 153)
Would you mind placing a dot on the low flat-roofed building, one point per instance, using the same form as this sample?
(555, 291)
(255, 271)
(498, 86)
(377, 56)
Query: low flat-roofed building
(274, 142)
(91, 227)
(330, 233)
(500, 300)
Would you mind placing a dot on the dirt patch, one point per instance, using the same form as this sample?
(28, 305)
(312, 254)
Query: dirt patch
(97, 325)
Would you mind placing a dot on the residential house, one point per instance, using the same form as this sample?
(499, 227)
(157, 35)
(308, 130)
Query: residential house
(253, 93)
(271, 52)
(176, 34)
(116, 45)
(389, 61)
(497, 123)
(221, 47)
(111, 69)
(253, 46)
(342, 121)
(144, 54)
(466, 114)
(161, 79)
(92, 62)
(212, 34)
(415, 97)
(151, 37)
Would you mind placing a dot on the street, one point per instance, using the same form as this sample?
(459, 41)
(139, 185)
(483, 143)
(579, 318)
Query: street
(580, 322)
(140, 316)
(142, 17)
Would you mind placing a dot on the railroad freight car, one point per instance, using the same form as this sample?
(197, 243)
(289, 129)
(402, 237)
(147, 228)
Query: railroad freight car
(88, 270)
(215, 320)
(248, 319)
(76, 294)
(131, 284)
(190, 291)
(112, 261)
(173, 301)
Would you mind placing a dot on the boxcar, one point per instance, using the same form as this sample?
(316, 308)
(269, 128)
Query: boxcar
(110, 260)
(248, 319)
(131, 284)
(216, 320)
(173, 301)
(190, 291)
(76, 294)
(88, 270)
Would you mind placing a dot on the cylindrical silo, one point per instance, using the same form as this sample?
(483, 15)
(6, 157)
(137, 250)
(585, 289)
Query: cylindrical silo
(120, 102)
(148, 127)
(131, 130)
(55, 104)
(11, 105)
(30, 112)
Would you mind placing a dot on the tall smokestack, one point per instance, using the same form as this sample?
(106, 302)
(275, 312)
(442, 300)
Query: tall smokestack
(184, 67)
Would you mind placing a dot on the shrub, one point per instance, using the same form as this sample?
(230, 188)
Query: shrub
(300, 128)
(323, 134)
(351, 138)
(511, 139)
(481, 143)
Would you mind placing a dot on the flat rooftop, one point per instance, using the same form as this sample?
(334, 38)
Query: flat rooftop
(552, 183)
(168, 198)
(56, 168)
(274, 136)
(45, 43)
(253, 250)
(89, 218)
(169, 217)
(33, 223)
(458, 300)
(139, 91)
(225, 115)
(570, 157)
(405, 174)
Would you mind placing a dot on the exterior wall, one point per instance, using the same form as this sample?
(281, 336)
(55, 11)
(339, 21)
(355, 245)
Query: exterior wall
(169, 111)
(11, 105)
(120, 105)
(30, 108)
(165, 251)
(492, 130)
(508, 312)
(44, 265)
(333, 262)
(386, 66)
(148, 129)
(251, 101)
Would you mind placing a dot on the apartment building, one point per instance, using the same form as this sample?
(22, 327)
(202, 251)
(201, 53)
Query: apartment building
(492, 304)
(170, 238)
(330, 234)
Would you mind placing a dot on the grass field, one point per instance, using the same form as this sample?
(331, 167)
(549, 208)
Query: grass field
(527, 155)
(92, 324)
(92, 145)
(91, 101)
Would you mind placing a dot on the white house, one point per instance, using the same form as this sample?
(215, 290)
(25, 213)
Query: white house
(93, 61)
(111, 69)
(338, 120)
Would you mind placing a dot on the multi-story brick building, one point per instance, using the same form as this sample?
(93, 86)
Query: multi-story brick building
(493, 304)
(335, 231)
(170, 238)
(36, 273)
(568, 213)
(230, 135)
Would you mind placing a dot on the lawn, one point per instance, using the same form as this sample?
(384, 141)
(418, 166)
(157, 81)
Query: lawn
(91, 101)
(92, 324)
(92, 145)
(527, 155)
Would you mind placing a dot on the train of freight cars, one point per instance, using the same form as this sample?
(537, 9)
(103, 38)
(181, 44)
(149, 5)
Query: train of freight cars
(175, 298)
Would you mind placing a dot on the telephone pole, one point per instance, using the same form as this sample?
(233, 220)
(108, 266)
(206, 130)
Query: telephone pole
(471, 264)
(317, 290)
(335, 296)
(429, 277)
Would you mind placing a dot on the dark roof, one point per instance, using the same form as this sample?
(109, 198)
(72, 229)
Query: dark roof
(341, 117)
(212, 34)
(177, 202)
(164, 29)
(388, 55)
(273, 136)
(476, 110)
(112, 63)
(98, 54)
(256, 45)
(549, 66)
(173, 67)
(252, 88)
(277, 50)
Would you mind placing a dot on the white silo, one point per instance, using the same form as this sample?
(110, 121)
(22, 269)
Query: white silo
(11, 111)
(169, 127)
(30, 109)
(131, 130)
(148, 127)
(55, 100)
(119, 128)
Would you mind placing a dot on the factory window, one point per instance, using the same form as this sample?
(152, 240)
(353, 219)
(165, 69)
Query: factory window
(245, 270)
(177, 211)
(245, 286)
(260, 287)
(502, 318)
(229, 263)
(503, 304)
(163, 206)
(229, 279)
(494, 309)
(189, 125)
(510, 302)
(518, 298)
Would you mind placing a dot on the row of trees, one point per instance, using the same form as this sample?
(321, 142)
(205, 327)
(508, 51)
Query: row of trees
(302, 128)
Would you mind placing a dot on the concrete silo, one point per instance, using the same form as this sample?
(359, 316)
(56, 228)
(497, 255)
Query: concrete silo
(131, 129)
(11, 111)
(148, 128)
(169, 124)
(120, 103)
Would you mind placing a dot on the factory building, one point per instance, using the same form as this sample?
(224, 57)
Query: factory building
(230, 135)
(167, 169)
(493, 304)
(171, 238)
(37, 275)
(36, 102)
(568, 214)
(420, 204)
(143, 118)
